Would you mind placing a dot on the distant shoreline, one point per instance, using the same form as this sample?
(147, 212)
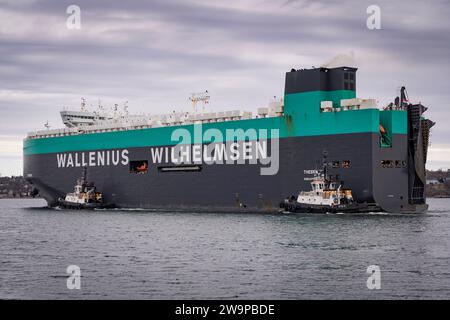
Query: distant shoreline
(19, 198)
(438, 187)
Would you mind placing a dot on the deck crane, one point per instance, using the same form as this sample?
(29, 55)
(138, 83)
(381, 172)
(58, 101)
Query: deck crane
(202, 97)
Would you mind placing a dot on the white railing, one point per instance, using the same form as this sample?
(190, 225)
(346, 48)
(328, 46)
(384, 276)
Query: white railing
(143, 122)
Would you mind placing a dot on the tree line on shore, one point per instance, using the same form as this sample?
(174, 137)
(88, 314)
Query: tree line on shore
(15, 187)
(438, 185)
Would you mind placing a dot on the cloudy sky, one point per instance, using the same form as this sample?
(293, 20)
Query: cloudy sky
(154, 53)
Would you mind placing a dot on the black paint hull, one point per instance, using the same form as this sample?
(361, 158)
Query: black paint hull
(241, 187)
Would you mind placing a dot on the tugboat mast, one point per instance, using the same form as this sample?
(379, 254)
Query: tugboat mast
(325, 166)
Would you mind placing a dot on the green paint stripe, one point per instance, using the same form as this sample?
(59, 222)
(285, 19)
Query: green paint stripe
(138, 138)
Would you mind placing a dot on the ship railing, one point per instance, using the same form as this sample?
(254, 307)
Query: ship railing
(51, 133)
(349, 104)
(146, 122)
(275, 109)
(358, 104)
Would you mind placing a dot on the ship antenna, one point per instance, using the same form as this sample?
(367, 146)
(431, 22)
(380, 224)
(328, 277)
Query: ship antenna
(83, 104)
(325, 164)
(125, 107)
(84, 175)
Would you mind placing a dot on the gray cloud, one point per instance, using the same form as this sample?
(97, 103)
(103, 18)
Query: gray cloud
(154, 53)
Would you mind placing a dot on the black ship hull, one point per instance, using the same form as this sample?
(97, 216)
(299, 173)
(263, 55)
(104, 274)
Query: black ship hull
(241, 187)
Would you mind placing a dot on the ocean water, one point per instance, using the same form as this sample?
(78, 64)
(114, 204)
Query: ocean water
(169, 255)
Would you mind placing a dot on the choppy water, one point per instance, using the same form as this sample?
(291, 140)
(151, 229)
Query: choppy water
(154, 255)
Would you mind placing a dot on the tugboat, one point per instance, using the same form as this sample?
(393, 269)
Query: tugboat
(326, 196)
(85, 196)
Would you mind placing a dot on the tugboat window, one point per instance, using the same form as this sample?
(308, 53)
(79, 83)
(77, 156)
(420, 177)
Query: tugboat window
(139, 166)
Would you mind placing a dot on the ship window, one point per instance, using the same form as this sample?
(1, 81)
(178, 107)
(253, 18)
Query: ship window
(336, 164)
(398, 164)
(139, 166)
(195, 168)
(346, 164)
(349, 81)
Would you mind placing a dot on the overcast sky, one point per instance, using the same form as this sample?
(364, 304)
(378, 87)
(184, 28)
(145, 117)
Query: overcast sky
(155, 53)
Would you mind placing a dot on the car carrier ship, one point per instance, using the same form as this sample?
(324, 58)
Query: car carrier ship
(146, 161)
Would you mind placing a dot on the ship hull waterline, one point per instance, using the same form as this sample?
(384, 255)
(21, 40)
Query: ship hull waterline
(241, 187)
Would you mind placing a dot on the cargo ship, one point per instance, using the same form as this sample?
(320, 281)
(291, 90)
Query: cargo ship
(236, 161)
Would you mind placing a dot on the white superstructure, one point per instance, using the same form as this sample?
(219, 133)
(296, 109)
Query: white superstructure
(324, 193)
(83, 121)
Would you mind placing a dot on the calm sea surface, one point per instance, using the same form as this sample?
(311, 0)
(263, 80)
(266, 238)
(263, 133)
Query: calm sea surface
(169, 255)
